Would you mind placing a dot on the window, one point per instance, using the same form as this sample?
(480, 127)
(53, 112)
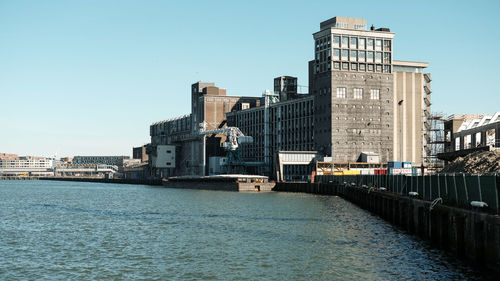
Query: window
(374, 94)
(345, 54)
(387, 45)
(378, 57)
(358, 93)
(345, 42)
(362, 43)
(387, 69)
(354, 43)
(369, 57)
(354, 55)
(362, 67)
(362, 56)
(378, 44)
(336, 54)
(341, 92)
(336, 65)
(345, 65)
(379, 68)
(369, 44)
(387, 57)
(370, 67)
(336, 41)
(354, 66)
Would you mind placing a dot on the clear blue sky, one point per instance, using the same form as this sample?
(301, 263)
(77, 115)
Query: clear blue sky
(89, 77)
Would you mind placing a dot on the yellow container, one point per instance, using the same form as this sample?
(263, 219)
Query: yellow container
(338, 173)
(350, 172)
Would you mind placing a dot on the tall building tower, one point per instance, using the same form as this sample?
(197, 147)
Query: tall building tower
(352, 84)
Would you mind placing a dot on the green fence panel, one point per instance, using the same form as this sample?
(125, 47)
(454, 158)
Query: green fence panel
(489, 191)
(420, 186)
(443, 191)
(472, 185)
(427, 188)
(406, 186)
(452, 190)
(434, 182)
(462, 200)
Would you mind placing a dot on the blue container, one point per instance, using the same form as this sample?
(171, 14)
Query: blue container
(406, 165)
(394, 164)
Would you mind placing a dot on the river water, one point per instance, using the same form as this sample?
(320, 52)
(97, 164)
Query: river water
(71, 230)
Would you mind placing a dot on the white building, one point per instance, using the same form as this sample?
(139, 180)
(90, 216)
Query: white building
(27, 166)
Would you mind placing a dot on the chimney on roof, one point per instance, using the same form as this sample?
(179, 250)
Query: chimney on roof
(372, 28)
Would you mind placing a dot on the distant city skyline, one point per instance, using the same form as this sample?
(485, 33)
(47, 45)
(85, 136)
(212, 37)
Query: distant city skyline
(90, 77)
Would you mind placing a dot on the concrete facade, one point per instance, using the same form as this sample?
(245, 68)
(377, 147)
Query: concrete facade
(353, 89)
(411, 108)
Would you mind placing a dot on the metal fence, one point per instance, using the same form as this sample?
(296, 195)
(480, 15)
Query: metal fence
(455, 189)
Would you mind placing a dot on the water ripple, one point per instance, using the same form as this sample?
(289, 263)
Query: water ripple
(75, 231)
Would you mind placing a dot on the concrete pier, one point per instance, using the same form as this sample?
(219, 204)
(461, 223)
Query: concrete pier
(468, 233)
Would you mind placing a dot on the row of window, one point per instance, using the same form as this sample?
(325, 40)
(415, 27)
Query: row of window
(357, 93)
(353, 67)
(361, 56)
(354, 42)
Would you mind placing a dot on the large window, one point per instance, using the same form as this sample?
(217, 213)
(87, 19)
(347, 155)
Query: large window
(345, 54)
(362, 43)
(354, 55)
(345, 42)
(336, 54)
(341, 92)
(369, 57)
(358, 94)
(387, 57)
(354, 43)
(362, 56)
(336, 41)
(374, 94)
(378, 44)
(369, 44)
(378, 57)
(387, 45)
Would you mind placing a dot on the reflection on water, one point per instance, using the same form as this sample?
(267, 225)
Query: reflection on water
(71, 230)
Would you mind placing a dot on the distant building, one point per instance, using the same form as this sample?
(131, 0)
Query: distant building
(108, 160)
(67, 160)
(6, 156)
(140, 153)
(11, 165)
(466, 133)
(209, 106)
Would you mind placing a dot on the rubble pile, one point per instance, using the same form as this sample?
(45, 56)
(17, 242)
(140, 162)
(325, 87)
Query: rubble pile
(474, 163)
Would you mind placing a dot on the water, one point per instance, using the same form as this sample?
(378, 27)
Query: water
(80, 231)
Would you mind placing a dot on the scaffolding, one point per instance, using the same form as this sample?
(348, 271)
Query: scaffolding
(435, 142)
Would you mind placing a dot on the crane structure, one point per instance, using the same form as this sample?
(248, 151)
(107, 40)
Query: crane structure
(234, 137)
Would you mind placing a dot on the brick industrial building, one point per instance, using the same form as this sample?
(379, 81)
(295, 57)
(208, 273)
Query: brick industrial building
(360, 100)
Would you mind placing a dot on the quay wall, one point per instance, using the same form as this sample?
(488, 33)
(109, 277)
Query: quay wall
(468, 233)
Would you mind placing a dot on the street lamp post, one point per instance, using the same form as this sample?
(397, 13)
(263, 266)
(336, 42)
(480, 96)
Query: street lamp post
(400, 103)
